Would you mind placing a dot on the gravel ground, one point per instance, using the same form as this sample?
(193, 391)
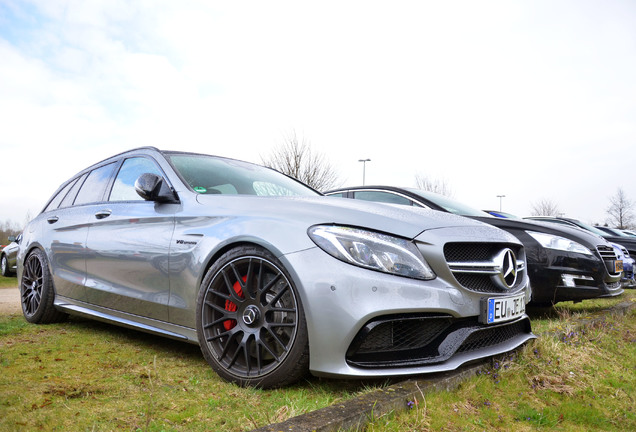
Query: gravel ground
(9, 301)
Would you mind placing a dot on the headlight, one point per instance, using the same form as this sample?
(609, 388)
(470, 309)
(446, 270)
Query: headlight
(559, 243)
(372, 250)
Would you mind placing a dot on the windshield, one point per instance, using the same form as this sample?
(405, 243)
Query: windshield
(592, 229)
(214, 175)
(618, 233)
(450, 204)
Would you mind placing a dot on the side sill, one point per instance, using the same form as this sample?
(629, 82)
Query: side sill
(123, 319)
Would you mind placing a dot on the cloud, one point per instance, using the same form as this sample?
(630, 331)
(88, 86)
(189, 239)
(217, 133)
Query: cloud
(530, 100)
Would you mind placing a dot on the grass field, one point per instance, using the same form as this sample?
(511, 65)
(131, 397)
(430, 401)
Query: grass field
(8, 282)
(580, 375)
(85, 375)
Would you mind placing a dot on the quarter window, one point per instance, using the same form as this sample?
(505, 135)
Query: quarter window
(131, 169)
(55, 202)
(95, 185)
(70, 197)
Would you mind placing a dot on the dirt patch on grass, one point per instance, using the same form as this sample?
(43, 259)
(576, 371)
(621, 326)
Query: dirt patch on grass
(9, 301)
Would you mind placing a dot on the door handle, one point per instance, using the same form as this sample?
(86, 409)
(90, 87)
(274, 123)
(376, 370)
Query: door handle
(102, 214)
(53, 219)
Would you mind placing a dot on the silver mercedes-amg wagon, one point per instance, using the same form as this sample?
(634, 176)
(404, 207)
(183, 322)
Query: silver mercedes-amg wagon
(269, 277)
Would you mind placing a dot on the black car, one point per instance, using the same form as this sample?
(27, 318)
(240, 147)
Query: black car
(611, 231)
(565, 263)
(623, 240)
(8, 257)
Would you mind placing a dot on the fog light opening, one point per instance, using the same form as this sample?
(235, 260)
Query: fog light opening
(569, 280)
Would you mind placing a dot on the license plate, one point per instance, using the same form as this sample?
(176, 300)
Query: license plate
(501, 309)
(619, 265)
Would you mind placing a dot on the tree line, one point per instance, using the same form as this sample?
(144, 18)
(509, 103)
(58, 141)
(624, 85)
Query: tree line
(296, 158)
(620, 212)
(8, 229)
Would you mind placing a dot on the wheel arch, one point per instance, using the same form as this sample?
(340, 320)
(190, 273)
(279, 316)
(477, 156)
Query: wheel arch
(22, 257)
(215, 255)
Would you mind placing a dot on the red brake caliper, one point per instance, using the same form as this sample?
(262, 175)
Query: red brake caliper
(231, 307)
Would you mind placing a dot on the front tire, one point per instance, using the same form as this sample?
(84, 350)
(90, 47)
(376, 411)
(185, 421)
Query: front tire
(250, 320)
(37, 293)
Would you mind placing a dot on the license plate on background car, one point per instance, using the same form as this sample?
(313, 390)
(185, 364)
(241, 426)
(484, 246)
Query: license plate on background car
(618, 264)
(501, 309)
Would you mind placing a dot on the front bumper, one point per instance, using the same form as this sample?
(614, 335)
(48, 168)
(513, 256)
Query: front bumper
(559, 276)
(341, 302)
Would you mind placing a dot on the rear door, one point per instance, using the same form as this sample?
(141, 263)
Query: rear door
(65, 240)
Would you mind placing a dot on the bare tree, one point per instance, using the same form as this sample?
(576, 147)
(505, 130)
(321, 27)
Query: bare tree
(8, 228)
(620, 211)
(297, 159)
(545, 207)
(438, 186)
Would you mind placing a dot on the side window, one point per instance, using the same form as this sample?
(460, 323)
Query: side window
(55, 202)
(384, 197)
(131, 169)
(339, 195)
(95, 185)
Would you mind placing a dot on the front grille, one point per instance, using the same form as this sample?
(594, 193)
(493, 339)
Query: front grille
(607, 253)
(401, 341)
(480, 283)
(466, 252)
(474, 268)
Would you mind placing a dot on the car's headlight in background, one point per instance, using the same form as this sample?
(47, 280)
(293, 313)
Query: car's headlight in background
(372, 250)
(559, 243)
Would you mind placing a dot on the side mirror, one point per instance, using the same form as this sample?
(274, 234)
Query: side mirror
(11, 239)
(152, 187)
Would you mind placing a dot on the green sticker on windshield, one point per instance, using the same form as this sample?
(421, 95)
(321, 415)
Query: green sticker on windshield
(200, 189)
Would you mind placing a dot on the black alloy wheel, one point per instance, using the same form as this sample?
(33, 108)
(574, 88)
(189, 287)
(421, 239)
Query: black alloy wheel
(36, 291)
(250, 320)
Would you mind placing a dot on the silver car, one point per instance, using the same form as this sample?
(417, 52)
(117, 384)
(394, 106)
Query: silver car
(8, 256)
(269, 277)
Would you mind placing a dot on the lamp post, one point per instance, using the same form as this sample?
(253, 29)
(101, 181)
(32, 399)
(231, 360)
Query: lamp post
(500, 198)
(364, 168)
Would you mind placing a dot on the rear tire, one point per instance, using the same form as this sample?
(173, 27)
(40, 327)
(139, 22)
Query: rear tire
(4, 265)
(250, 320)
(37, 293)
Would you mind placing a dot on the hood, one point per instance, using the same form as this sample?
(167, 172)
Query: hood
(398, 220)
(578, 235)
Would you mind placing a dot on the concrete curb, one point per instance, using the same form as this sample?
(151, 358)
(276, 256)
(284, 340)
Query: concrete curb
(620, 309)
(356, 413)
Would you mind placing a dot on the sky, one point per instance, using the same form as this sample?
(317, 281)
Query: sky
(534, 100)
